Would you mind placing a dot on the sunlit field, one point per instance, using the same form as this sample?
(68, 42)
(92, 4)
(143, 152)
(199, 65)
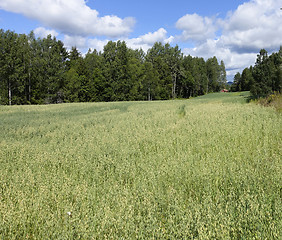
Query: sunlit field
(204, 168)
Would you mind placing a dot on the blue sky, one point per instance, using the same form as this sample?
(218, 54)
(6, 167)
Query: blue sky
(233, 31)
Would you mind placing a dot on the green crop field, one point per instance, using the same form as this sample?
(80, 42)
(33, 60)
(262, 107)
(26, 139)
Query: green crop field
(204, 168)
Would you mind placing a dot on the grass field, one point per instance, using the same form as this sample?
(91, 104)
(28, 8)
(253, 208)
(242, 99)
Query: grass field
(204, 168)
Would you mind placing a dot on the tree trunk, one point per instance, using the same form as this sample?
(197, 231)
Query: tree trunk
(174, 86)
(29, 87)
(9, 93)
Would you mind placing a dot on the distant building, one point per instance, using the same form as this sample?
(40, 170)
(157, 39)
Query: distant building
(224, 90)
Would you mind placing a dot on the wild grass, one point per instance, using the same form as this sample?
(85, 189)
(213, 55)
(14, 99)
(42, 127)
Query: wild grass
(273, 100)
(205, 168)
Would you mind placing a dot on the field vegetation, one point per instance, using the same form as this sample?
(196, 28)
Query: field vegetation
(204, 168)
(273, 100)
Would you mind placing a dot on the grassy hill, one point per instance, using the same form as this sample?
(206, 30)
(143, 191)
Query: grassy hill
(204, 168)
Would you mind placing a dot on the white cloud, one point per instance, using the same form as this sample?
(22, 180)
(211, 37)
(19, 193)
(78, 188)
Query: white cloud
(236, 39)
(157, 36)
(75, 41)
(252, 26)
(195, 27)
(70, 17)
(43, 32)
(136, 43)
(146, 41)
(97, 44)
(169, 40)
(234, 61)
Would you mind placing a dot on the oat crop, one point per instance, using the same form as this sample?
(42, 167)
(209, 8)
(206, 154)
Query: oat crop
(205, 168)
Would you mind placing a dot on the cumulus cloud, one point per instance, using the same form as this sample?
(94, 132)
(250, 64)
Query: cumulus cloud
(75, 41)
(43, 32)
(234, 61)
(157, 36)
(252, 26)
(146, 41)
(97, 44)
(70, 17)
(195, 27)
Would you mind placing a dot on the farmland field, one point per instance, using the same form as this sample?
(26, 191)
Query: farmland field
(204, 168)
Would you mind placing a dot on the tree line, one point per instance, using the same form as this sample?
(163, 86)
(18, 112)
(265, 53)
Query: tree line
(262, 79)
(42, 71)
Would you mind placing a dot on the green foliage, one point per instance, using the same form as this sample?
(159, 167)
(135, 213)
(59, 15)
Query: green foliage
(213, 74)
(273, 100)
(194, 81)
(181, 110)
(136, 170)
(264, 78)
(236, 85)
(36, 71)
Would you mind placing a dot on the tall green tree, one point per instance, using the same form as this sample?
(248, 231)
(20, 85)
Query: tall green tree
(213, 73)
(50, 64)
(135, 73)
(187, 84)
(222, 75)
(116, 71)
(247, 79)
(94, 66)
(77, 86)
(8, 65)
(263, 74)
(156, 56)
(41, 70)
(173, 58)
(150, 82)
(236, 85)
(197, 67)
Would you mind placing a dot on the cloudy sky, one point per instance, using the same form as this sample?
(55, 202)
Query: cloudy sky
(232, 30)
